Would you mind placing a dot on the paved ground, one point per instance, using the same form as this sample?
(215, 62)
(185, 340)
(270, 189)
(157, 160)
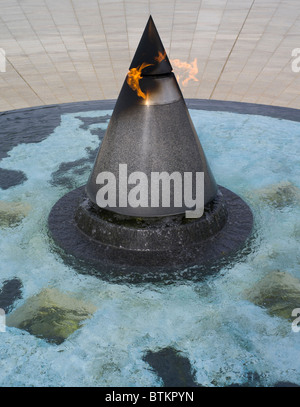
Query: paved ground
(73, 50)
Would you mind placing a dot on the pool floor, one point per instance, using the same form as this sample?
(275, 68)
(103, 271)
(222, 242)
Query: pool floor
(66, 328)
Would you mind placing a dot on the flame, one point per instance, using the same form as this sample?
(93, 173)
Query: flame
(187, 69)
(147, 100)
(133, 79)
(135, 75)
(161, 56)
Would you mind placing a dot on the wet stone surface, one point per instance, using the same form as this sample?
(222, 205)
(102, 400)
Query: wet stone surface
(24, 126)
(51, 315)
(11, 178)
(280, 195)
(34, 125)
(12, 213)
(174, 369)
(278, 292)
(10, 292)
(67, 174)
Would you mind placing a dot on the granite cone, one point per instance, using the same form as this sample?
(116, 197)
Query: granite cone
(152, 134)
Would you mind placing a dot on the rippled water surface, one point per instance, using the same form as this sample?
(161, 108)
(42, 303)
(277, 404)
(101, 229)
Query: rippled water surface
(226, 338)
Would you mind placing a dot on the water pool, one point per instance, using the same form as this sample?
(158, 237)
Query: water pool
(227, 335)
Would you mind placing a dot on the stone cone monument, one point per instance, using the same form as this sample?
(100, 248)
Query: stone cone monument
(150, 131)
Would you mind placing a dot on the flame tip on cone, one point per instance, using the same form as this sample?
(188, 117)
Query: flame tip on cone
(149, 49)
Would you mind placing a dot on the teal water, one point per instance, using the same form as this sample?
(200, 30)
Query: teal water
(225, 337)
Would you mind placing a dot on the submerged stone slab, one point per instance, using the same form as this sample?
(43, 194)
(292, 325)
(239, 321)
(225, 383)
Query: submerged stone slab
(278, 292)
(12, 213)
(280, 195)
(10, 292)
(11, 178)
(174, 369)
(51, 315)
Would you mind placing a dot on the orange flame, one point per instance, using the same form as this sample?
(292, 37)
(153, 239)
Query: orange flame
(187, 69)
(135, 75)
(161, 56)
(133, 79)
(147, 100)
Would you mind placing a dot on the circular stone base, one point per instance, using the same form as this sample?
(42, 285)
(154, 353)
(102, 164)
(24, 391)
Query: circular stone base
(158, 235)
(164, 248)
